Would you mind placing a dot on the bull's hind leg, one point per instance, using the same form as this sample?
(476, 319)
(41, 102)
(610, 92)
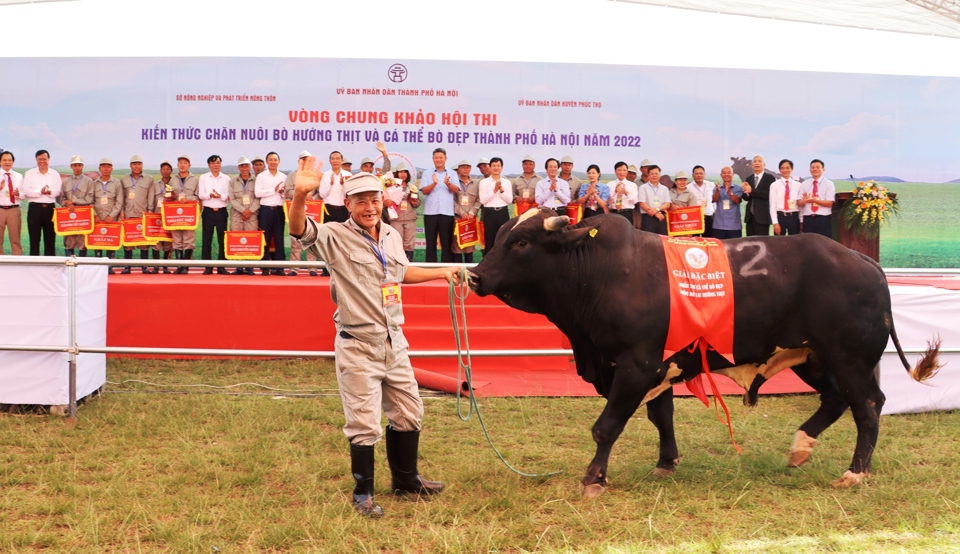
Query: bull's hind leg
(627, 391)
(660, 413)
(860, 389)
(832, 406)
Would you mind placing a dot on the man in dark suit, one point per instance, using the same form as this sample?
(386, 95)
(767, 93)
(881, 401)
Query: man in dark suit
(756, 191)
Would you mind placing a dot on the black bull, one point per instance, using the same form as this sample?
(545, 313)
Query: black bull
(803, 302)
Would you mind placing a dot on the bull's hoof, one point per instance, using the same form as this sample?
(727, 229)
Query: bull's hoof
(849, 479)
(663, 472)
(592, 491)
(801, 449)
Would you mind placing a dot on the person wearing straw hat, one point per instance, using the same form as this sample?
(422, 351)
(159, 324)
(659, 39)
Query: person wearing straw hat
(368, 265)
(295, 248)
(244, 204)
(77, 190)
(139, 196)
(404, 200)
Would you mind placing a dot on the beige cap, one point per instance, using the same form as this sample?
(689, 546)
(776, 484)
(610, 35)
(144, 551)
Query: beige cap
(256, 159)
(483, 161)
(632, 169)
(243, 161)
(136, 159)
(528, 158)
(464, 162)
(183, 157)
(303, 154)
(166, 162)
(566, 160)
(401, 167)
(362, 182)
(345, 161)
(76, 160)
(681, 175)
(365, 161)
(105, 161)
(646, 163)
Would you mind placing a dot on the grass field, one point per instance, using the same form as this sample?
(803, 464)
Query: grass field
(926, 235)
(172, 468)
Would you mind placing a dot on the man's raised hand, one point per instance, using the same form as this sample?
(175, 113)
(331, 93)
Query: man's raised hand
(308, 175)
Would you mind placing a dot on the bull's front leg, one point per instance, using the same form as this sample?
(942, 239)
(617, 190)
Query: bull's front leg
(660, 413)
(630, 384)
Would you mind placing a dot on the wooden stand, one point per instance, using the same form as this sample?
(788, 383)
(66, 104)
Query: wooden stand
(854, 240)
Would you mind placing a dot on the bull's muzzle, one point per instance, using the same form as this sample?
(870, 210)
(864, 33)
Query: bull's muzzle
(474, 281)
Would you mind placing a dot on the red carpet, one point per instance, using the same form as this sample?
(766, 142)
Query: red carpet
(295, 313)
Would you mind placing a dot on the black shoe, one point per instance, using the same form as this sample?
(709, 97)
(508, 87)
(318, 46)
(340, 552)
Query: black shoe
(238, 271)
(249, 271)
(313, 273)
(292, 273)
(126, 271)
(144, 271)
(278, 272)
(222, 271)
(402, 448)
(166, 271)
(361, 465)
(265, 272)
(208, 271)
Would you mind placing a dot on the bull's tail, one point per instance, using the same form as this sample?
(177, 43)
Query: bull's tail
(929, 364)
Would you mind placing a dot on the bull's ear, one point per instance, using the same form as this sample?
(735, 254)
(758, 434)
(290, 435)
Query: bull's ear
(574, 237)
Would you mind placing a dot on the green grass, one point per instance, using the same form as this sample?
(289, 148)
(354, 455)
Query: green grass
(171, 469)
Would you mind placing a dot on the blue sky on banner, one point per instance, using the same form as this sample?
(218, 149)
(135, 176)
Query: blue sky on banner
(907, 127)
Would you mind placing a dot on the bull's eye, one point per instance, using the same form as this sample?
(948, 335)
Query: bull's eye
(521, 243)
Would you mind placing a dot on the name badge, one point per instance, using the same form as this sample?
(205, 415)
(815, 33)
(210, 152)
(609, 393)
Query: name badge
(131, 195)
(526, 193)
(464, 201)
(656, 202)
(403, 205)
(556, 201)
(104, 199)
(246, 200)
(703, 201)
(726, 204)
(391, 293)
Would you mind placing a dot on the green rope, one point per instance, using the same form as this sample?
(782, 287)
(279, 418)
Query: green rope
(458, 294)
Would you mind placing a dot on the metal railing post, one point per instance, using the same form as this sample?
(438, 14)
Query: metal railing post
(72, 334)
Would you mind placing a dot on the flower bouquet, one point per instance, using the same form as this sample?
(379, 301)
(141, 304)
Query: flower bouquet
(870, 207)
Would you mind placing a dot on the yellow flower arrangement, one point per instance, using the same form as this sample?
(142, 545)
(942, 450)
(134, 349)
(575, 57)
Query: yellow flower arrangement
(870, 208)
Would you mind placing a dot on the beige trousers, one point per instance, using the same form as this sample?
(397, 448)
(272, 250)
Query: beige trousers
(10, 220)
(374, 379)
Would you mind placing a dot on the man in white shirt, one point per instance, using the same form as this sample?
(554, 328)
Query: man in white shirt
(331, 189)
(42, 186)
(816, 199)
(553, 192)
(703, 190)
(496, 195)
(10, 183)
(214, 191)
(784, 194)
(654, 201)
(623, 193)
(269, 189)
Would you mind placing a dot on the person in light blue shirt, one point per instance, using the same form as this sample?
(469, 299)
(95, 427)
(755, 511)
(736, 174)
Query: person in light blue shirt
(593, 194)
(438, 186)
(727, 223)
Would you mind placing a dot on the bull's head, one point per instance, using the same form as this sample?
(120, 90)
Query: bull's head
(529, 252)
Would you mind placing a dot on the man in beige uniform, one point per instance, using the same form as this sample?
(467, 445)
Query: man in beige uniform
(295, 248)
(186, 188)
(161, 189)
(566, 173)
(139, 196)
(77, 190)
(367, 264)
(107, 199)
(466, 203)
(244, 204)
(525, 186)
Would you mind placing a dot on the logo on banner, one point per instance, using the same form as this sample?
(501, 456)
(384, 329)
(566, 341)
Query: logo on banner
(158, 222)
(73, 216)
(103, 230)
(139, 227)
(696, 258)
(179, 211)
(243, 240)
(397, 73)
(684, 216)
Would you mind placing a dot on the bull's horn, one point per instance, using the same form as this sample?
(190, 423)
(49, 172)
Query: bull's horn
(556, 222)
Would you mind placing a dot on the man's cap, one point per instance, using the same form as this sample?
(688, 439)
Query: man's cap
(566, 160)
(136, 159)
(483, 161)
(366, 161)
(528, 158)
(183, 157)
(303, 154)
(165, 162)
(646, 163)
(362, 182)
(401, 167)
(74, 160)
(464, 162)
(256, 159)
(243, 161)
(681, 175)
(345, 161)
(106, 161)
(632, 169)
